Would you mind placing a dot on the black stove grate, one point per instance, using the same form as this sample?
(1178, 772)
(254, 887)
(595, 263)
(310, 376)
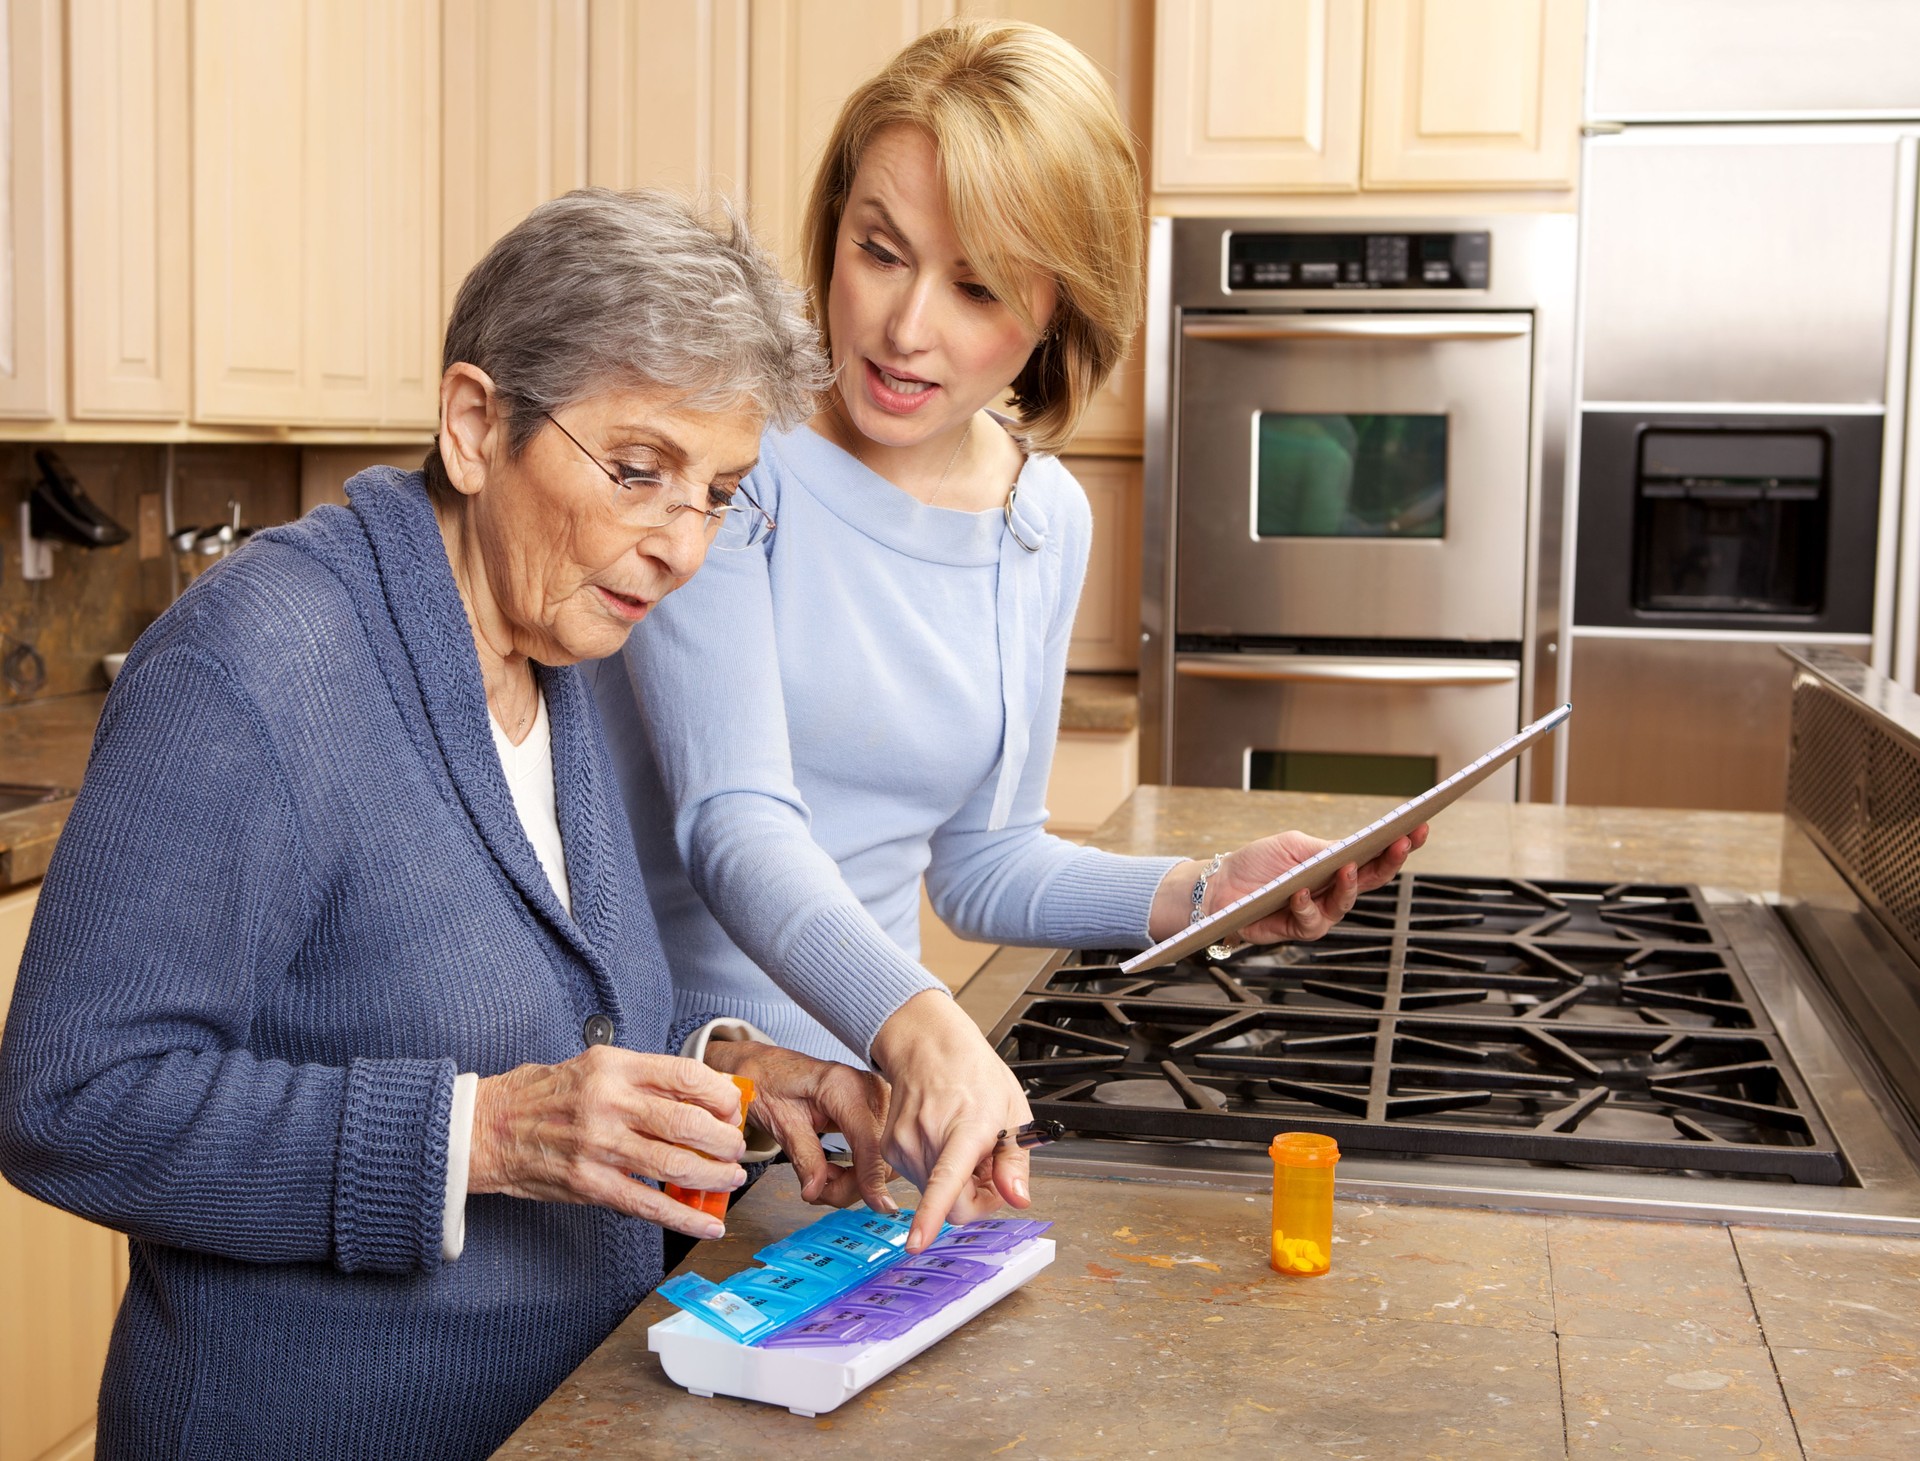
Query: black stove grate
(1584, 1023)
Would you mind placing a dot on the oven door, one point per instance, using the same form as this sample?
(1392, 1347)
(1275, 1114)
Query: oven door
(1361, 724)
(1354, 476)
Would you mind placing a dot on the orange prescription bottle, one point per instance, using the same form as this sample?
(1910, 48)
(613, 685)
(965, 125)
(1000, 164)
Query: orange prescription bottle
(1302, 1202)
(714, 1204)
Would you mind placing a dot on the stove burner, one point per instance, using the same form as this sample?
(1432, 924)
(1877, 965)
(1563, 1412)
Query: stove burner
(1595, 1024)
(1631, 912)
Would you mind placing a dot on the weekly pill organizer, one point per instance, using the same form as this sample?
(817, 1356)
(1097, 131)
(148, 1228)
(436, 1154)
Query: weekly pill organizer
(833, 1307)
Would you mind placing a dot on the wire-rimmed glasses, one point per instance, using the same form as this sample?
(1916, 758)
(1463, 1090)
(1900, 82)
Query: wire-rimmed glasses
(644, 498)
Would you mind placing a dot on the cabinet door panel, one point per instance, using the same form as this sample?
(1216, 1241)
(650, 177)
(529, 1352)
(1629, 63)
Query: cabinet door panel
(668, 95)
(407, 225)
(342, 136)
(1472, 94)
(515, 116)
(807, 56)
(60, 1283)
(252, 228)
(1106, 630)
(30, 274)
(127, 198)
(316, 135)
(1257, 96)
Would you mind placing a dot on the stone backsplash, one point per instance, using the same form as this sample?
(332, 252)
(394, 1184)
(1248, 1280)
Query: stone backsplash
(99, 599)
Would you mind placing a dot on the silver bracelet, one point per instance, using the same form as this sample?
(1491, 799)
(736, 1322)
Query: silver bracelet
(1221, 949)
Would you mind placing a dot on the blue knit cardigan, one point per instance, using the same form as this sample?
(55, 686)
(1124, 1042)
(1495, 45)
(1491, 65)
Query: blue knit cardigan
(293, 899)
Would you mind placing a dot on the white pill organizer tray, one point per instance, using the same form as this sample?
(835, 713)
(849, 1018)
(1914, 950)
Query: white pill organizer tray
(837, 1305)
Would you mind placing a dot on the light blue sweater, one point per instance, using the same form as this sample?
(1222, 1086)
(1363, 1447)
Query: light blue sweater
(804, 731)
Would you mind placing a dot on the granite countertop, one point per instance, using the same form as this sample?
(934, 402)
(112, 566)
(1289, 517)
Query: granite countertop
(1093, 702)
(1439, 1332)
(42, 743)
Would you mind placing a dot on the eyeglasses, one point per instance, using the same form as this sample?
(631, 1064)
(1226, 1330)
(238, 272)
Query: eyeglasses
(643, 499)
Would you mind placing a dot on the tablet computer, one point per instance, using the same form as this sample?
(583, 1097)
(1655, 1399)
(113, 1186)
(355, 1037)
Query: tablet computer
(1361, 847)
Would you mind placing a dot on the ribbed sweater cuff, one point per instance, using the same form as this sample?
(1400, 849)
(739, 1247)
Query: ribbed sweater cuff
(850, 976)
(390, 1193)
(1100, 900)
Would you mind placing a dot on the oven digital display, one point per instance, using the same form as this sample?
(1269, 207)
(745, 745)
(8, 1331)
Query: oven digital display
(1269, 261)
(1352, 475)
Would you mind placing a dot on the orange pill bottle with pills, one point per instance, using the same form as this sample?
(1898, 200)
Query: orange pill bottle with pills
(1302, 1202)
(714, 1204)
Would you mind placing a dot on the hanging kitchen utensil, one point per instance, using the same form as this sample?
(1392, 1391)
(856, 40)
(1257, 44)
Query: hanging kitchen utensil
(61, 509)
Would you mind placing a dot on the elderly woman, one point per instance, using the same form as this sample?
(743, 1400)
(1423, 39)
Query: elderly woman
(343, 998)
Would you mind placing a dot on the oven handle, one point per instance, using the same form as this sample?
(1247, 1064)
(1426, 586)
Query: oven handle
(1331, 670)
(1321, 327)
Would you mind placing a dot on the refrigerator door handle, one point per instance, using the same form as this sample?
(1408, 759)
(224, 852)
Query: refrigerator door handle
(1344, 670)
(1324, 327)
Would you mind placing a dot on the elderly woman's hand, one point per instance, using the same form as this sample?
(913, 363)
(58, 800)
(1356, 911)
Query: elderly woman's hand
(1306, 916)
(582, 1130)
(796, 1098)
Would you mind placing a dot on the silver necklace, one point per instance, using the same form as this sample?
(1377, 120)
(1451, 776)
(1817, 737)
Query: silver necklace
(940, 486)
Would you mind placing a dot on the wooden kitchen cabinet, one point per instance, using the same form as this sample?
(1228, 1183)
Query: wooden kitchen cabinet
(667, 95)
(1472, 93)
(1093, 772)
(514, 113)
(316, 206)
(31, 315)
(60, 1284)
(1106, 629)
(128, 204)
(1258, 96)
(1334, 96)
(805, 58)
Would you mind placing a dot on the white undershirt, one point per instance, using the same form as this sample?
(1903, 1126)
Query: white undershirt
(529, 769)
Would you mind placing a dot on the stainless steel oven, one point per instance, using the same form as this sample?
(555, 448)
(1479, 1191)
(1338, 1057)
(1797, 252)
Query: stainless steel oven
(1346, 445)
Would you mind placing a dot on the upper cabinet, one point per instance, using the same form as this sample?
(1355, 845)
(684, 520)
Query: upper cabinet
(1324, 96)
(1258, 95)
(806, 57)
(127, 205)
(316, 206)
(667, 90)
(514, 119)
(1472, 93)
(30, 176)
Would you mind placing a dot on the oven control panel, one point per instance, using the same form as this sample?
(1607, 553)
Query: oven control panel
(1270, 261)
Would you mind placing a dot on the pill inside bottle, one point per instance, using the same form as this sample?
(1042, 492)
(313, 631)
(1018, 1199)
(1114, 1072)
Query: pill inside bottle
(1303, 1164)
(714, 1204)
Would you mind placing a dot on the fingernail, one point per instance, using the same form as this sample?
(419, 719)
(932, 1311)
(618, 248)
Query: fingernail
(887, 1204)
(715, 1230)
(1020, 1189)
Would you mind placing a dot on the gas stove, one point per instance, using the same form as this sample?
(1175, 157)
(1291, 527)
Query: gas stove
(1628, 1048)
(1606, 1025)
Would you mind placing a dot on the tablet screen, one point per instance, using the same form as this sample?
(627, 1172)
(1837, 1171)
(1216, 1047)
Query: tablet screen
(1360, 847)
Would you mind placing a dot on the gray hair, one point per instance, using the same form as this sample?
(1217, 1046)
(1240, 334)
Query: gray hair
(600, 290)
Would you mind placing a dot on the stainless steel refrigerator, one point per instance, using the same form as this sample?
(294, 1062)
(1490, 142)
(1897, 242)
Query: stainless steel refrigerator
(1740, 451)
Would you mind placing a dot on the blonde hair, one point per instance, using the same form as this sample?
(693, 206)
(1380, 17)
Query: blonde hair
(1041, 180)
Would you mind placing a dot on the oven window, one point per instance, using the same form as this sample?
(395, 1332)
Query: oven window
(1349, 476)
(1338, 771)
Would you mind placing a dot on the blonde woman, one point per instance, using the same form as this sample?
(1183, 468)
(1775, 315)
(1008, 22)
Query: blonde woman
(807, 730)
